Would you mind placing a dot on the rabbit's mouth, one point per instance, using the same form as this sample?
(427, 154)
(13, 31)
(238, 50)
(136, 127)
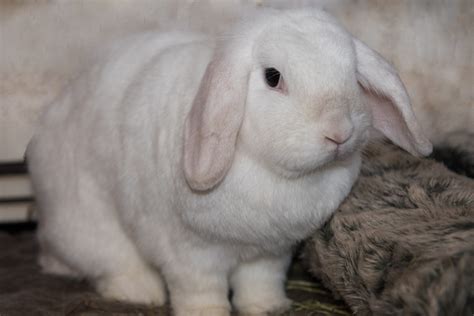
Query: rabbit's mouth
(343, 150)
(342, 153)
(354, 144)
(346, 151)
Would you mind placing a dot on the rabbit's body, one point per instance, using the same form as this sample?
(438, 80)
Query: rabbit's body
(116, 207)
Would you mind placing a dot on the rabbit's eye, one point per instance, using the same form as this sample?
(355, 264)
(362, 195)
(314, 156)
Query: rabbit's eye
(272, 77)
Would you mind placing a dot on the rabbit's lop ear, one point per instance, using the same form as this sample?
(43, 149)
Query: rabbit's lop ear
(389, 101)
(214, 121)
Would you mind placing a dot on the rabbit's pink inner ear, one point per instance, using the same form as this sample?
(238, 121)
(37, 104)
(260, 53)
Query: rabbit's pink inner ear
(388, 120)
(389, 101)
(213, 123)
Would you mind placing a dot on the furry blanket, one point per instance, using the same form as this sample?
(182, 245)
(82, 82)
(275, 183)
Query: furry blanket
(403, 242)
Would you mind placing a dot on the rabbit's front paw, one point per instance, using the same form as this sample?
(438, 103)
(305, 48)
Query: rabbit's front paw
(264, 298)
(264, 307)
(259, 286)
(203, 311)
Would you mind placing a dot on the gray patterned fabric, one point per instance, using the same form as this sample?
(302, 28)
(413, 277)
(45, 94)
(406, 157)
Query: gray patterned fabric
(403, 242)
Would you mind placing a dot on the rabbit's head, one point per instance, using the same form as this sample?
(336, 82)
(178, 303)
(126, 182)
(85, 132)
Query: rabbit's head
(295, 91)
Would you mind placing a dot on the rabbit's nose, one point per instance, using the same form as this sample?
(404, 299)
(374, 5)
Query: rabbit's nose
(339, 137)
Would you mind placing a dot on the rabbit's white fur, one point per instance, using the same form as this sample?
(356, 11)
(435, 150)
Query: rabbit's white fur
(173, 157)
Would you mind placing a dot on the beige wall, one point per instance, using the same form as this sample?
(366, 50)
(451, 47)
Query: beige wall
(45, 43)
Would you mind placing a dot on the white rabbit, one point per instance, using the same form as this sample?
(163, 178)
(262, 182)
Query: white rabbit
(205, 160)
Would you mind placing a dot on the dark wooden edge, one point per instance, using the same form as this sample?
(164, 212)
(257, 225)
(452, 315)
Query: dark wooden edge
(13, 167)
(18, 227)
(16, 200)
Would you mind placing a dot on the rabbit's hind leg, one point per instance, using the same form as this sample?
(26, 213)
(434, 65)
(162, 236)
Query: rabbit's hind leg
(84, 237)
(52, 265)
(139, 285)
